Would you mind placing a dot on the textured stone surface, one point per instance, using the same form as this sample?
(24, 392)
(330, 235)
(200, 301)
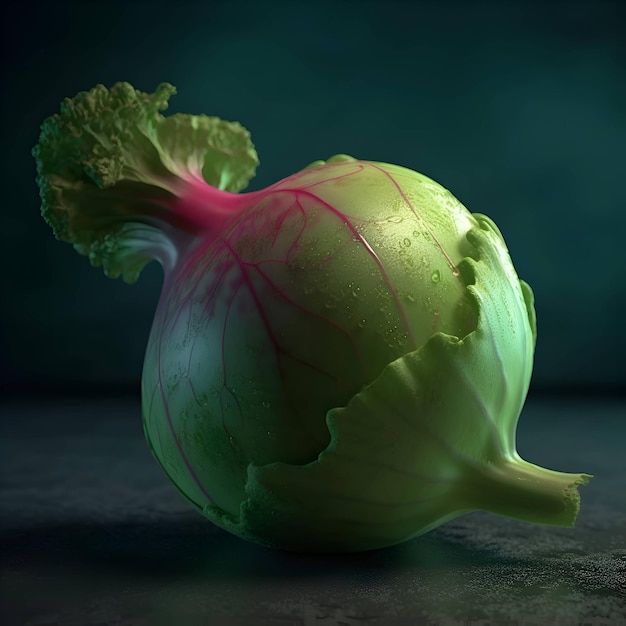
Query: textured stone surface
(92, 532)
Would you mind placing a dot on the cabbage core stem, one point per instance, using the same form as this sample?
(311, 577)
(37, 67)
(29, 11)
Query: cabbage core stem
(519, 489)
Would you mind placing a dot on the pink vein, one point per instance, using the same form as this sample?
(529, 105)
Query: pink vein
(357, 236)
(453, 267)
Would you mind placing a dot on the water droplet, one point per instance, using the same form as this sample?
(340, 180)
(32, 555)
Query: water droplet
(362, 323)
(416, 233)
(435, 276)
(407, 242)
(395, 219)
(355, 292)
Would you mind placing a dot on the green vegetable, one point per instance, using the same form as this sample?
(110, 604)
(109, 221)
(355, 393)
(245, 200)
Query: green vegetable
(338, 361)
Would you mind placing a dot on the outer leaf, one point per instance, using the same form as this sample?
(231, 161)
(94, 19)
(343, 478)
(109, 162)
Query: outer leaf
(220, 151)
(431, 438)
(111, 170)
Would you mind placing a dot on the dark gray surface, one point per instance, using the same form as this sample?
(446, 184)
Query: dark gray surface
(94, 533)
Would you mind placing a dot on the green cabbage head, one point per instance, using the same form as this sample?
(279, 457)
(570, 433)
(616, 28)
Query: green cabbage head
(338, 361)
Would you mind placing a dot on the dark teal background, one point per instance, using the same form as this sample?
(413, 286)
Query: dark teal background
(519, 108)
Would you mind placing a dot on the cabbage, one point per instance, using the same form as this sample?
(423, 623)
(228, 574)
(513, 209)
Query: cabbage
(338, 361)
